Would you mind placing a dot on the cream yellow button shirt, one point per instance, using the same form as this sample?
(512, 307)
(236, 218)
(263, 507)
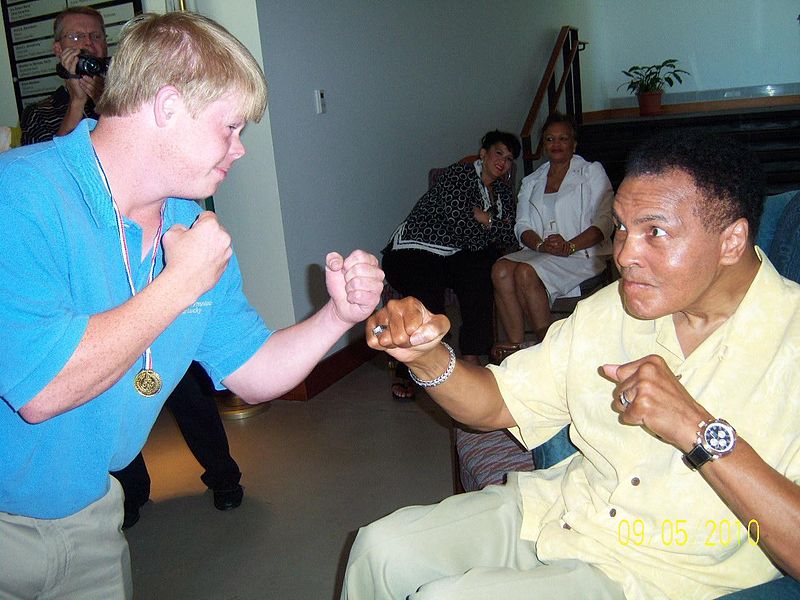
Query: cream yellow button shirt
(627, 503)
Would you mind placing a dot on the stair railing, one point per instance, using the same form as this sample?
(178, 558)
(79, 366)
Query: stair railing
(568, 45)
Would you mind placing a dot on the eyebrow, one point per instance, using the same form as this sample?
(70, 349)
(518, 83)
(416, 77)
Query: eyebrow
(642, 219)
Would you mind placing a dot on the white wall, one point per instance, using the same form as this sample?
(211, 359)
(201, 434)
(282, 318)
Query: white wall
(410, 85)
(722, 43)
(247, 202)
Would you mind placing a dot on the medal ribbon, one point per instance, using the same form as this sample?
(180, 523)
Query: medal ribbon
(123, 243)
(148, 354)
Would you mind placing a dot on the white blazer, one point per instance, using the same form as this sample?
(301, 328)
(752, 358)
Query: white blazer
(589, 197)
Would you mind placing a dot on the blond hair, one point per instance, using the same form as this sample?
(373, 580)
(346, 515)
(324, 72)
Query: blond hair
(194, 54)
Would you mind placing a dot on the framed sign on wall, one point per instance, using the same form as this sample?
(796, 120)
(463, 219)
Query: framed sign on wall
(29, 34)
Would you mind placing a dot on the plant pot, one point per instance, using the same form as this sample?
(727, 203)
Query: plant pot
(650, 103)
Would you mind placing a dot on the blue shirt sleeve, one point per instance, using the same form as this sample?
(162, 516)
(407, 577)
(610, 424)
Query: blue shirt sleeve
(235, 330)
(41, 329)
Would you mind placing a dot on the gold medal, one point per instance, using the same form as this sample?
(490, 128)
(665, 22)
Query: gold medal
(147, 382)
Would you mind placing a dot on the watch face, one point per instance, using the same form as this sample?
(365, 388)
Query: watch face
(719, 437)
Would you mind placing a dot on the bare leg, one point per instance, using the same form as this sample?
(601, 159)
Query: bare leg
(508, 305)
(534, 294)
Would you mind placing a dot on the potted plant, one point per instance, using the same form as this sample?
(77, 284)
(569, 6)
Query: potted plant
(647, 82)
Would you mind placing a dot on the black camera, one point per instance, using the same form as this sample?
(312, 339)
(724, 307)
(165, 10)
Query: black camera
(91, 65)
(86, 65)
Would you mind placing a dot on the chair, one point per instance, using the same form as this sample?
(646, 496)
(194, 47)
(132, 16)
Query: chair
(485, 458)
(779, 233)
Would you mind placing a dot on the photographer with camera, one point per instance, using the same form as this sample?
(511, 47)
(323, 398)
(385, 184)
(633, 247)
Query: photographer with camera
(79, 41)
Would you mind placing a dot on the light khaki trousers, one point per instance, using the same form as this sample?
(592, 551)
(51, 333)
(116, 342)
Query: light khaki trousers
(80, 557)
(466, 547)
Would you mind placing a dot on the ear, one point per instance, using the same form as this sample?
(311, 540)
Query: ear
(57, 48)
(482, 153)
(734, 241)
(167, 103)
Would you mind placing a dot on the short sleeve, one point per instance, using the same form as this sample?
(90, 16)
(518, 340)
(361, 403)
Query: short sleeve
(533, 385)
(234, 332)
(41, 330)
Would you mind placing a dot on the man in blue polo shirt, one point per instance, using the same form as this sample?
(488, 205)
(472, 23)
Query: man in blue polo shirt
(112, 284)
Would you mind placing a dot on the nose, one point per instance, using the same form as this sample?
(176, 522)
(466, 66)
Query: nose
(237, 149)
(625, 253)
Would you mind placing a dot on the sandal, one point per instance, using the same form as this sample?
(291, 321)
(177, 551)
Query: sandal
(501, 351)
(403, 391)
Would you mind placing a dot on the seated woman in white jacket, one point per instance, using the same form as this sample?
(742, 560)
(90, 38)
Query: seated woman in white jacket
(564, 226)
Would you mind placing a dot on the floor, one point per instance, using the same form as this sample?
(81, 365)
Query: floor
(313, 473)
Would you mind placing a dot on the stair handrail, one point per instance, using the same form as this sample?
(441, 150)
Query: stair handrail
(567, 43)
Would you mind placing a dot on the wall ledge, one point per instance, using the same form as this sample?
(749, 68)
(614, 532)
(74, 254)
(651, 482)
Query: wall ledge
(737, 104)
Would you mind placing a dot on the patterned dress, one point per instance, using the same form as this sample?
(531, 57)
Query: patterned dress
(441, 246)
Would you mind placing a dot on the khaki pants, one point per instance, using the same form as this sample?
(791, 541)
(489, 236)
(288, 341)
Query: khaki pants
(466, 547)
(80, 557)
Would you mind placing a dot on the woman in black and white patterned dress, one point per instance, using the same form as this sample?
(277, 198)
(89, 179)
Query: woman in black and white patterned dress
(452, 237)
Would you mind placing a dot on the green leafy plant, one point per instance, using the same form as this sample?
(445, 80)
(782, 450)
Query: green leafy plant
(652, 78)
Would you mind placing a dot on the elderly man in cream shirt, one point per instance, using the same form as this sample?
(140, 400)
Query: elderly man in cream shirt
(680, 384)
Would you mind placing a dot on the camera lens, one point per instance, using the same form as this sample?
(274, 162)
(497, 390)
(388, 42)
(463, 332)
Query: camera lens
(91, 65)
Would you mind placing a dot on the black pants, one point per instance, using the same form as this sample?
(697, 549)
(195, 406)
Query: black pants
(195, 412)
(425, 276)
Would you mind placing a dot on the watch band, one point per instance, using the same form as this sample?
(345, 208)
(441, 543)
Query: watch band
(697, 457)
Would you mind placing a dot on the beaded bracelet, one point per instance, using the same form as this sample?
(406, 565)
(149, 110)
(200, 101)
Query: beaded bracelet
(441, 378)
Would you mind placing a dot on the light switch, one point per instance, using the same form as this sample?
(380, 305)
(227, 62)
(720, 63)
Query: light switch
(319, 101)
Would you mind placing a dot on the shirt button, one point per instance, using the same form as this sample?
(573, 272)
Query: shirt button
(635, 481)
(566, 526)
(612, 512)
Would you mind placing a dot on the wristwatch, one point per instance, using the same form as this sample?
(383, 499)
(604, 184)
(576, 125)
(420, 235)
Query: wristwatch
(714, 440)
